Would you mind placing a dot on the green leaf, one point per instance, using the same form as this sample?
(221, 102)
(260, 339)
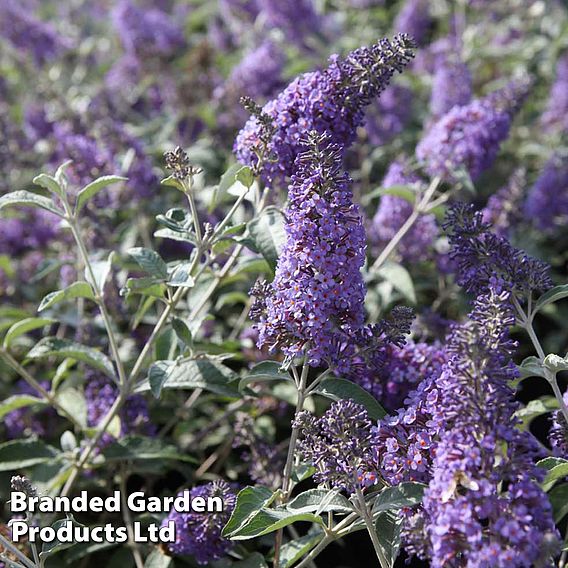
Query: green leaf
(91, 189)
(76, 290)
(24, 326)
(74, 403)
(172, 181)
(101, 270)
(536, 408)
(557, 469)
(49, 183)
(266, 521)
(62, 348)
(19, 454)
(268, 234)
(182, 331)
(181, 276)
(18, 401)
(54, 546)
(264, 371)
(399, 278)
(557, 293)
(255, 560)
(227, 180)
(559, 501)
(531, 367)
(142, 448)
(147, 286)
(245, 176)
(150, 261)
(190, 374)
(157, 559)
(406, 494)
(389, 527)
(555, 363)
(293, 551)
(320, 501)
(406, 192)
(23, 197)
(250, 501)
(342, 389)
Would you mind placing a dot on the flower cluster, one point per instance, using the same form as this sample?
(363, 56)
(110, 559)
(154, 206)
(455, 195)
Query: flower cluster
(317, 295)
(483, 505)
(389, 115)
(414, 19)
(146, 32)
(481, 256)
(555, 116)
(502, 210)
(330, 101)
(469, 136)
(199, 534)
(451, 86)
(265, 461)
(100, 394)
(339, 445)
(28, 34)
(558, 435)
(405, 444)
(547, 201)
(258, 76)
(393, 211)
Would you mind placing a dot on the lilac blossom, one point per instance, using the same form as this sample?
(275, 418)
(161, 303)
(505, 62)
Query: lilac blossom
(296, 19)
(503, 210)
(317, 295)
(339, 445)
(414, 19)
(147, 32)
(330, 101)
(265, 461)
(258, 75)
(389, 115)
(555, 116)
(199, 534)
(392, 213)
(558, 435)
(469, 136)
(451, 86)
(483, 505)
(547, 201)
(28, 34)
(480, 256)
(101, 393)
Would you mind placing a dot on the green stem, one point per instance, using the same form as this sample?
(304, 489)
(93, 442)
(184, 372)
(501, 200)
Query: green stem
(368, 519)
(99, 299)
(420, 207)
(286, 489)
(49, 398)
(8, 545)
(526, 323)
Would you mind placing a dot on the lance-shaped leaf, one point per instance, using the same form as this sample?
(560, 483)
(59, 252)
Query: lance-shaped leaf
(18, 401)
(23, 197)
(404, 495)
(91, 189)
(553, 295)
(49, 183)
(150, 261)
(18, 454)
(190, 374)
(268, 234)
(76, 290)
(24, 326)
(63, 348)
